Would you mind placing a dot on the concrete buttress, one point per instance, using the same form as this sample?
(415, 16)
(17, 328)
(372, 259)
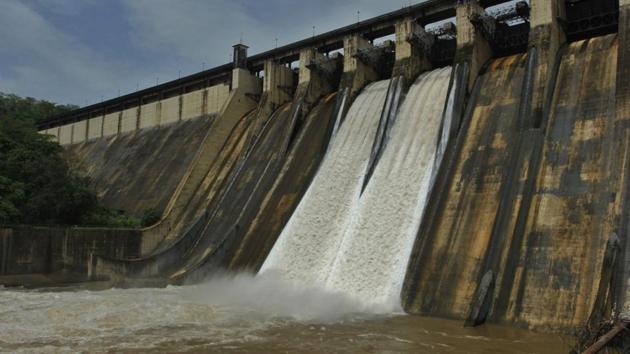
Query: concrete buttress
(472, 47)
(357, 74)
(622, 148)
(413, 46)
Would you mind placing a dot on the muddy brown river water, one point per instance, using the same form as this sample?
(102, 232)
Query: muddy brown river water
(242, 315)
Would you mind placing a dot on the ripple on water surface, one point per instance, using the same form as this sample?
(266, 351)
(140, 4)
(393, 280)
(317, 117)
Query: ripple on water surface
(241, 314)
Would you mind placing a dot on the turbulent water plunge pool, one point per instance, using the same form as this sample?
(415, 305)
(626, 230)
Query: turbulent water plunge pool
(236, 315)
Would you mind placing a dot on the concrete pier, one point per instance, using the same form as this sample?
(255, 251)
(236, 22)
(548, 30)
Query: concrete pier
(621, 168)
(515, 196)
(545, 39)
(356, 73)
(413, 49)
(277, 84)
(318, 76)
(472, 47)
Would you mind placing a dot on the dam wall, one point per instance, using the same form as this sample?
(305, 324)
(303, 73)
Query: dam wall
(457, 233)
(525, 259)
(511, 126)
(194, 243)
(140, 170)
(216, 234)
(622, 217)
(45, 250)
(190, 105)
(569, 221)
(518, 196)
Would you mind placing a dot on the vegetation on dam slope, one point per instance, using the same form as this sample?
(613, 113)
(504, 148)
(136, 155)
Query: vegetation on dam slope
(37, 185)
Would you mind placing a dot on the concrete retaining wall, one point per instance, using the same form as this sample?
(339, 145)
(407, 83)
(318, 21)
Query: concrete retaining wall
(190, 105)
(65, 134)
(110, 124)
(149, 115)
(129, 120)
(95, 128)
(140, 169)
(170, 110)
(79, 131)
(32, 250)
(54, 132)
(202, 102)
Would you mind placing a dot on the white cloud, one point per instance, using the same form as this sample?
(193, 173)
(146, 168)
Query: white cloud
(192, 31)
(41, 60)
(63, 7)
(189, 32)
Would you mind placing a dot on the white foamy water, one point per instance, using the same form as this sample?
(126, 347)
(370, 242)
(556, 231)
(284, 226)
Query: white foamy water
(227, 310)
(306, 248)
(359, 245)
(239, 314)
(372, 259)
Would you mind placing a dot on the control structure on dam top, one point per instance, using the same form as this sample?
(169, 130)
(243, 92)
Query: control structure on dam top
(506, 29)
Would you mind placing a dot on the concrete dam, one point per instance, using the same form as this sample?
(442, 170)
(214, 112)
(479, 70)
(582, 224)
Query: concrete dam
(465, 160)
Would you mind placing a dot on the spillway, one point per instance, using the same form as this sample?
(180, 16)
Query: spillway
(307, 246)
(302, 161)
(559, 263)
(373, 256)
(358, 243)
(447, 257)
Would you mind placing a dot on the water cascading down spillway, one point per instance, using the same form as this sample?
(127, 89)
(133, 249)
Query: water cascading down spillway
(358, 243)
(307, 245)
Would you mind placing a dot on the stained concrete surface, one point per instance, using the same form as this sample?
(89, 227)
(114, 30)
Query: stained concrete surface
(446, 259)
(140, 170)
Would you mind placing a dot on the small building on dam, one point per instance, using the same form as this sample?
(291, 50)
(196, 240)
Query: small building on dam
(462, 159)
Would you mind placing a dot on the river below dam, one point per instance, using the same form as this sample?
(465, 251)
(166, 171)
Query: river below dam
(242, 314)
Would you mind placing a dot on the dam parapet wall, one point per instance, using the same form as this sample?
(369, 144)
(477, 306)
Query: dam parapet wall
(162, 109)
(169, 110)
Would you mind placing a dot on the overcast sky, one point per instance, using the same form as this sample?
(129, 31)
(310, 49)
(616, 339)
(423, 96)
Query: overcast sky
(77, 51)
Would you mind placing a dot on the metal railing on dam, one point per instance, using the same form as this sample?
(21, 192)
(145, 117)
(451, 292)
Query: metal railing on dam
(585, 17)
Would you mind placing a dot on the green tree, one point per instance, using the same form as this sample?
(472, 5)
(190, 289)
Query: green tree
(30, 108)
(37, 185)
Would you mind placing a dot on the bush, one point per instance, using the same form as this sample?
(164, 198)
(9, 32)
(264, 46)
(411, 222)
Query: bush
(30, 108)
(151, 217)
(103, 217)
(37, 186)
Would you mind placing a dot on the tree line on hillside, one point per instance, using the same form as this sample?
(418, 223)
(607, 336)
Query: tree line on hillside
(37, 184)
(30, 109)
